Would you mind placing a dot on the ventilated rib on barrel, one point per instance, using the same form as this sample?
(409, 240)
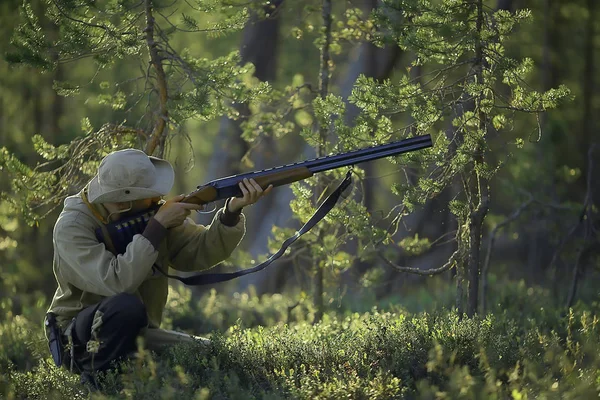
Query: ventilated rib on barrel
(224, 188)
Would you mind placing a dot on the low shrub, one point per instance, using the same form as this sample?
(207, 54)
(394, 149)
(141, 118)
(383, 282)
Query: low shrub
(369, 355)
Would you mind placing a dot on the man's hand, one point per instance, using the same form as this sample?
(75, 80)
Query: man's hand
(252, 192)
(173, 213)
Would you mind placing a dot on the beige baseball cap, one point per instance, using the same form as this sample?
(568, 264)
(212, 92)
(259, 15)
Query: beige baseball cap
(130, 174)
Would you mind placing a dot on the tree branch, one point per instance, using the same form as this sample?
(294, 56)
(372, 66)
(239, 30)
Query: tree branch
(585, 211)
(158, 138)
(585, 218)
(576, 273)
(486, 264)
(423, 272)
(324, 72)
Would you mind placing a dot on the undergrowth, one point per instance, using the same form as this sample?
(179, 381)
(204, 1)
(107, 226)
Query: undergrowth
(521, 352)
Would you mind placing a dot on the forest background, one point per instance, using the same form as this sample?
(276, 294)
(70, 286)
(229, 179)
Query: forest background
(497, 224)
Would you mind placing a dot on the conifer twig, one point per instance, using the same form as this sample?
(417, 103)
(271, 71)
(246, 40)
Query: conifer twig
(423, 272)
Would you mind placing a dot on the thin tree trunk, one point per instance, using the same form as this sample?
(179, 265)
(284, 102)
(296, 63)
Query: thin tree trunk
(377, 63)
(537, 235)
(546, 159)
(460, 289)
(259, 46)
(577, 273)
(477, 216)
(324, 76)
(590, 121)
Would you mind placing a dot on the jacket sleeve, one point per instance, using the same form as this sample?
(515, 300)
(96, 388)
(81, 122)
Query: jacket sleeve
(85, 262)
(194, 247)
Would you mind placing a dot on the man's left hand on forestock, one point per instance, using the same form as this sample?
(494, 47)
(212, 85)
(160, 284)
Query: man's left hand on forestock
(251, 191)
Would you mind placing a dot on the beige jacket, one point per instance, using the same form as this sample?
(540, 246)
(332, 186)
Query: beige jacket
(86, 272)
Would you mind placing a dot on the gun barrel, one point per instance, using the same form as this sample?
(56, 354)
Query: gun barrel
(228, 187)
(371, 153)
(352, 157)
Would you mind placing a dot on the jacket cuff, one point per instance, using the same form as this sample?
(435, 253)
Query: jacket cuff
(229, 218)
(154, 232)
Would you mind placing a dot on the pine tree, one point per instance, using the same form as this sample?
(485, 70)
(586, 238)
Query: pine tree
(469, 82)
(161, 87)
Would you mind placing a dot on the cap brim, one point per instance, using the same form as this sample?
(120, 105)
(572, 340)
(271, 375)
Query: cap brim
(165, 177)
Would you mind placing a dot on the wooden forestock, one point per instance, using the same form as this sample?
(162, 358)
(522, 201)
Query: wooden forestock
(283, 177)
(204, 195)
(207, 194)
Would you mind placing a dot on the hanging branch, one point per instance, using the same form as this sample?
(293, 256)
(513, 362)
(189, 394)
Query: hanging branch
(585, 218)
(491, 240)
(157, 138)
(424, 272)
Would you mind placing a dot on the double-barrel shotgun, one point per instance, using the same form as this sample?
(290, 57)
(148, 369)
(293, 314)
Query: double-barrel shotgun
(224, 188)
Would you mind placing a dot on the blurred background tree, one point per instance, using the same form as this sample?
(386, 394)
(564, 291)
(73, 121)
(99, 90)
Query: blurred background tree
(221, 87)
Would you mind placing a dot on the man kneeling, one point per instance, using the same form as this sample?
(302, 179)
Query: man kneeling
(105, 299)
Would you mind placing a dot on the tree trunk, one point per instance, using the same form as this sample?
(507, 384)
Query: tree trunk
(536, 234)
(589, 83)
(437, 224)
(460, 288)
(324, 77)
(156, 142)
(259, 46)
(481, 193)
(377, 63)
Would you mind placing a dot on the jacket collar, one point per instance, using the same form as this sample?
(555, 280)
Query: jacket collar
(99, 211)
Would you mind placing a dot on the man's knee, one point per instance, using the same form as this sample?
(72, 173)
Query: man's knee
(108, 331)
(127, 309)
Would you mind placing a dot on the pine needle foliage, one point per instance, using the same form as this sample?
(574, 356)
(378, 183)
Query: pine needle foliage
(467, 96)
(169, 87)
(467, 93)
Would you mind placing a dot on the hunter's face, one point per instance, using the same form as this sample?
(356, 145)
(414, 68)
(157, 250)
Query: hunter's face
(136, 206)
(141, 205)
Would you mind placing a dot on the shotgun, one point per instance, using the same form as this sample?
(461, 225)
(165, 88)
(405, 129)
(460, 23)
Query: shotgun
(227, 187)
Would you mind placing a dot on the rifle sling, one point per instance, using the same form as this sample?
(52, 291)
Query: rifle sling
(207, 279)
